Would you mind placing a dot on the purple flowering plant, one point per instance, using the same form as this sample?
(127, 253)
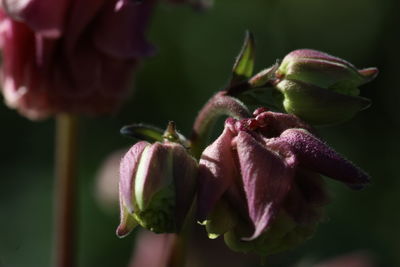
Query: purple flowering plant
(260, 183)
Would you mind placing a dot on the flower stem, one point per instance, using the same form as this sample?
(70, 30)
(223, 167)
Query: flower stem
(65, 155)
(220, 104)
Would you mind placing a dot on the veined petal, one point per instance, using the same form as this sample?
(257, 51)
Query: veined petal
(154, 172)
(216, 173)
(128, 168)
(313, 154)
(267, 178)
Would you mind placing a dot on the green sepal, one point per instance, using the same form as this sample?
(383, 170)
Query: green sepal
(128, 223)
(221, 220)
(143, 132)
(244, 64)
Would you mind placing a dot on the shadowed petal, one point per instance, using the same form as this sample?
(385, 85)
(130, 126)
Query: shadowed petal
(317, 156)
(185, 173)
(128, 168)
(216, 173)
(306, 198)
(121, 33)
(267, 178)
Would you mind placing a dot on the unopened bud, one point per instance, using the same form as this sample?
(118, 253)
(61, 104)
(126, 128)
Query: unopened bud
(320, 88)
(157, 186)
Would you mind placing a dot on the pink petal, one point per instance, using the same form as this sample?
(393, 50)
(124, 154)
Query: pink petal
(45, 17)
(217, 171)
(267, 178)
(128, 168)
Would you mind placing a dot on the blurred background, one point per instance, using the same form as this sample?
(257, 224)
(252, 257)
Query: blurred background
(196, 51)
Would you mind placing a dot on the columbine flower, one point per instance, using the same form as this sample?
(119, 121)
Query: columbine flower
(70, 56)
(320, 88)
(157, 187)
(259, 182)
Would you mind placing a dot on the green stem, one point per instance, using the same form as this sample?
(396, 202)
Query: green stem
(66, 146)
(220, 104)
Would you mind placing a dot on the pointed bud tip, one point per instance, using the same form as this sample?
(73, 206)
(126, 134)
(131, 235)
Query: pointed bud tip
(369, 73)
(122, 231)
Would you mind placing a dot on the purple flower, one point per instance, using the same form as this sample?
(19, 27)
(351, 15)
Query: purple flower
(262, 174)
(70, 56)
(157, 187)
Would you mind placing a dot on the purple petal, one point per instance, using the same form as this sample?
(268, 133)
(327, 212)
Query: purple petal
(216, 173)
(317, 156)
(121, 33)
(83, 13)
(274, 123)
(267, 178)
(128, 168)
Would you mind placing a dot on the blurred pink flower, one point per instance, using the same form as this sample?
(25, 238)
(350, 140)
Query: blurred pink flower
(152, 250)
(70, 56)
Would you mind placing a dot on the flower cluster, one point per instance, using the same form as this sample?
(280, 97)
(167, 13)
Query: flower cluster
(260, 182)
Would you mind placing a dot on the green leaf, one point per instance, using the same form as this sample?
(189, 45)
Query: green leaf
(243, 67)
(143, 132)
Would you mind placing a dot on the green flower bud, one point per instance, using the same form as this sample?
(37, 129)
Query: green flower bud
(320, 88)
(157, 187)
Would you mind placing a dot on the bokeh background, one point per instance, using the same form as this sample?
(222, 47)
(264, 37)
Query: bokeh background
(195, 53)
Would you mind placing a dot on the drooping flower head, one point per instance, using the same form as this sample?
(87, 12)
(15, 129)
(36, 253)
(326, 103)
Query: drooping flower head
(260, 184)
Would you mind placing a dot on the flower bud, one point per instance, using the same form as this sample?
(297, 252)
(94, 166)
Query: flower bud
(157, 187)
(320, 88)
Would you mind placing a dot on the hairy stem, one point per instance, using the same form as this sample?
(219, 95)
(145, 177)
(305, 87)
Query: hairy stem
(219, 105)
(65, 155)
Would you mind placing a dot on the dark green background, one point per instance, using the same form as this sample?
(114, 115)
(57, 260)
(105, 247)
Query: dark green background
(195, 55)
